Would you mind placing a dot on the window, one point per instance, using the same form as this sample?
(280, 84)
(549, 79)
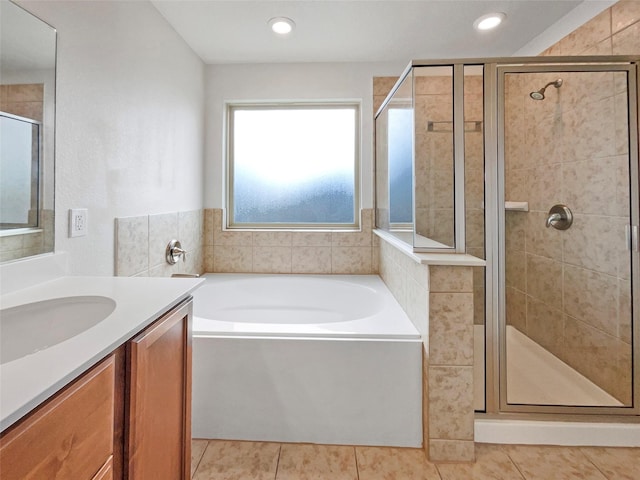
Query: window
(293, 165)
(400, 158)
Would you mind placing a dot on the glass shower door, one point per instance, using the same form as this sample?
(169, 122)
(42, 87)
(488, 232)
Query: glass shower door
(569, 188)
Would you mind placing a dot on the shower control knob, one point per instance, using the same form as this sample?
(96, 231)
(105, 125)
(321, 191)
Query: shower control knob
(174, 252)
(560, 217)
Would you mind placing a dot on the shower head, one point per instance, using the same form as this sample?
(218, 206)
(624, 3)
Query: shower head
(539, 94)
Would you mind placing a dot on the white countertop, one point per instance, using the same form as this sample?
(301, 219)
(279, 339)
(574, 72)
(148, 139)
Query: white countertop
(28, 381)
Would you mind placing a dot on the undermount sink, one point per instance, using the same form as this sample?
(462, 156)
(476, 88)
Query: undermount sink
(32, 327)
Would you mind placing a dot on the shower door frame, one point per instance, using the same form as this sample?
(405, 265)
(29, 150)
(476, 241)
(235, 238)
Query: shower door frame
(495, 294)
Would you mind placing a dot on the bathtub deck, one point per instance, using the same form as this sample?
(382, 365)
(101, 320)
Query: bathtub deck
(290, 305)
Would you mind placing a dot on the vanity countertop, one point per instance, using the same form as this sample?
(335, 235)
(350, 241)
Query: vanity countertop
(28, 381)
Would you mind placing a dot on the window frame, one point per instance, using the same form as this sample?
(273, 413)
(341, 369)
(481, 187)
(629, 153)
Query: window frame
(231, 107)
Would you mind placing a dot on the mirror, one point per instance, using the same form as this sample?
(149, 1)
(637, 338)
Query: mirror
(27, 116)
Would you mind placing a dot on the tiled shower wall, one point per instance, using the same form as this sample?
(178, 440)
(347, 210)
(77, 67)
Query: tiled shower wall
(141, 244)
(569, 290)
(433, 102)
(319, 252)
(26, 100)
(616, 31)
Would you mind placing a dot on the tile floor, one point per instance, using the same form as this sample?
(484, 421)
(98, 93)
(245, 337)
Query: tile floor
(227, 460)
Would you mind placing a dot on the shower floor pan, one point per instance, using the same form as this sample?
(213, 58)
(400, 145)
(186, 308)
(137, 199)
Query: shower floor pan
(537, 377)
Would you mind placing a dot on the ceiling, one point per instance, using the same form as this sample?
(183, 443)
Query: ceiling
(363, 30)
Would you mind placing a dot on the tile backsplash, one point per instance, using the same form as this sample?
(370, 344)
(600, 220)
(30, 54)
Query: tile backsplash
(141, 243)
(312, 252)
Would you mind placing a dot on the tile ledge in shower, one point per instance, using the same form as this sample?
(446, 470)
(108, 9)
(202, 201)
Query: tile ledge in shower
(447, 259)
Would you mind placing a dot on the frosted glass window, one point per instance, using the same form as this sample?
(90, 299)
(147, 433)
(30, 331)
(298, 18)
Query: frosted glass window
(400, 144)
(293, 166)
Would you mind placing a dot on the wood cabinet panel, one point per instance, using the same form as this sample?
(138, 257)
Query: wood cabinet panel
(158, 439)
(106, 472)
(120, 359)
(70, 436)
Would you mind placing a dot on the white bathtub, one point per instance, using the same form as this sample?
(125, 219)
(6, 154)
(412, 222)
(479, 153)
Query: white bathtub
(301, 358)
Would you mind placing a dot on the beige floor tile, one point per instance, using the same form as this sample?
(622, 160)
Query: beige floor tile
(226, 460)
(316, 462)
(492, 463)
(615, 463)
(197, 450)
(557, 463)
(376, 463)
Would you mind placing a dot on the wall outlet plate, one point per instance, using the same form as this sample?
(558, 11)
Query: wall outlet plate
(78, 222)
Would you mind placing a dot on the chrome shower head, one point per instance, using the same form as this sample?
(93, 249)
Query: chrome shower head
(539, 94)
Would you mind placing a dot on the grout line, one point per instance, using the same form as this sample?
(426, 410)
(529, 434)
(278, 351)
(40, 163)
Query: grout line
(355, 456)
(514, 464)
(592, 462)
(278, 461)
(195, 470)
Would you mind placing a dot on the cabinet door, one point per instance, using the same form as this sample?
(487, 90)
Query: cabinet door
(158, 443)
(106, 472)
(70, 436)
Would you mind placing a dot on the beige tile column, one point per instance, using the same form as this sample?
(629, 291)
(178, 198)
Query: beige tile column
(449, 379)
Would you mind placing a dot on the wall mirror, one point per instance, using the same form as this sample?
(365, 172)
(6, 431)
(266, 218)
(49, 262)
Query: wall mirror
(27, 121)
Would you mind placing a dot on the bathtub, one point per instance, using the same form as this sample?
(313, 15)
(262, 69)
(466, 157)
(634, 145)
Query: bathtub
(302, 358)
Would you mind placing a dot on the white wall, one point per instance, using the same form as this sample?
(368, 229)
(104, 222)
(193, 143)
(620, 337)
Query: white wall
(129, 121)
(300, 81)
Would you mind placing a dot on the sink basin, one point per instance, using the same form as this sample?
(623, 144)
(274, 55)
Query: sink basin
(32, 327)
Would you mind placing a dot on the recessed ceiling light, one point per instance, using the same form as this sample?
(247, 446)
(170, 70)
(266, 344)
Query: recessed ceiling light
(489, 21)
(282, 25)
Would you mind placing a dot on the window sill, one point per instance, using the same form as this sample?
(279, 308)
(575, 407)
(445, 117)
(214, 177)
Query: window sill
(20, 231)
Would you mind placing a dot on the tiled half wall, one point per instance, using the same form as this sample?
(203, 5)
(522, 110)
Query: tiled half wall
(439, 301)
(141, 244)
(312, 252)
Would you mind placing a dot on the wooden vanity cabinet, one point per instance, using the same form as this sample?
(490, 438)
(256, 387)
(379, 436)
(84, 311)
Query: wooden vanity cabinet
(70, 436)
(128, 417)
(158, 420)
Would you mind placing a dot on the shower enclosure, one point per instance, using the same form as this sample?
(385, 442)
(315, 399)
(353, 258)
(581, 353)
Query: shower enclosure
(531, 164)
